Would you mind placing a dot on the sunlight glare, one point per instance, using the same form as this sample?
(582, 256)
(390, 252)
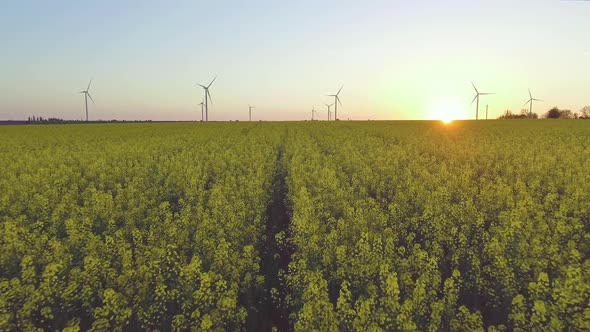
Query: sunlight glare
(446, 110)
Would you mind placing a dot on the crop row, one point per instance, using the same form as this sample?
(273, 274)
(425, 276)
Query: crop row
(421, 226)
(112, 227)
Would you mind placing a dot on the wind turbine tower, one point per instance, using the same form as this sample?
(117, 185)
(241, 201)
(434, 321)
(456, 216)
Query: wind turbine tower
(336, 101)
(202, 104)
(530, 102)
(86, 96)
(329, 113)
(313, 111)
(477, 94)
(250, 111)
(207, 98)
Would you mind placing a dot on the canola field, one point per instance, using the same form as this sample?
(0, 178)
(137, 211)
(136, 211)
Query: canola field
(325, 226)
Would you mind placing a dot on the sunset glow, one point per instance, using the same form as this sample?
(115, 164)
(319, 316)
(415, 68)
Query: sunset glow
(394, 58)
(447, 109)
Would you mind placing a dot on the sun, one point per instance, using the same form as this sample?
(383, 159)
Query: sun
(446, 110)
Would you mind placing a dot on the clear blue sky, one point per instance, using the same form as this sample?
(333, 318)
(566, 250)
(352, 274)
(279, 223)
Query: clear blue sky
(396, 59)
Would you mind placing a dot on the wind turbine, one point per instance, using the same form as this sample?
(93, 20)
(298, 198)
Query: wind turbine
(86, 96)
(530, 102)
(477, 94)
(313, 111)
(486, 112)
(202, 104)
(329, 113)
(250, 111)
(336, 101)
(207, 98)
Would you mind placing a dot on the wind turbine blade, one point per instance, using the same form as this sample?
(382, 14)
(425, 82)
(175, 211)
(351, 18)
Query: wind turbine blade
(89, 96)
(528, 101)
(537, 99)
(337, 93)
(212, 82)
(530, 95)
(208, 94)
(204, 87)
(474, 98)
(486, 93)
(474, 87)
(88, 88)
(338, 100)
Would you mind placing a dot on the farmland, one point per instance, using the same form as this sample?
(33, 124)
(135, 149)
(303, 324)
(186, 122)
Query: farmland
(351, 226)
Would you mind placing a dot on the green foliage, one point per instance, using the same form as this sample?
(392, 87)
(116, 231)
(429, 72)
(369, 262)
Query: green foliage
(443, 227)
(132, 226)
(394, 226)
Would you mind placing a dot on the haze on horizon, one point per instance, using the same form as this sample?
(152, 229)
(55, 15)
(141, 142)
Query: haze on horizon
(396, 59)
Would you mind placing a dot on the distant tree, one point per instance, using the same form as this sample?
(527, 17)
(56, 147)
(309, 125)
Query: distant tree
(585, 112)
(553, 113)
(524, 114)
(507, 115)
(567, 114)
(556, 113)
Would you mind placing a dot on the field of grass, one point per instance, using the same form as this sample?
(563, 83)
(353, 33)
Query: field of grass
(351, 226)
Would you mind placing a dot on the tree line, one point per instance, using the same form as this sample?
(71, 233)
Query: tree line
(553, 113)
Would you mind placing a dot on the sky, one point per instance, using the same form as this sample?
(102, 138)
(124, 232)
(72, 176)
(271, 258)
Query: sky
(396, 59)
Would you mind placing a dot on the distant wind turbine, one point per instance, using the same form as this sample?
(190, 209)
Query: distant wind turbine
(336, 102)
(207, 98)
(86, 96)
(477, 94)
(486, 112)
(250, 111)
(313, 111)
(530, 102)
(329, 113)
